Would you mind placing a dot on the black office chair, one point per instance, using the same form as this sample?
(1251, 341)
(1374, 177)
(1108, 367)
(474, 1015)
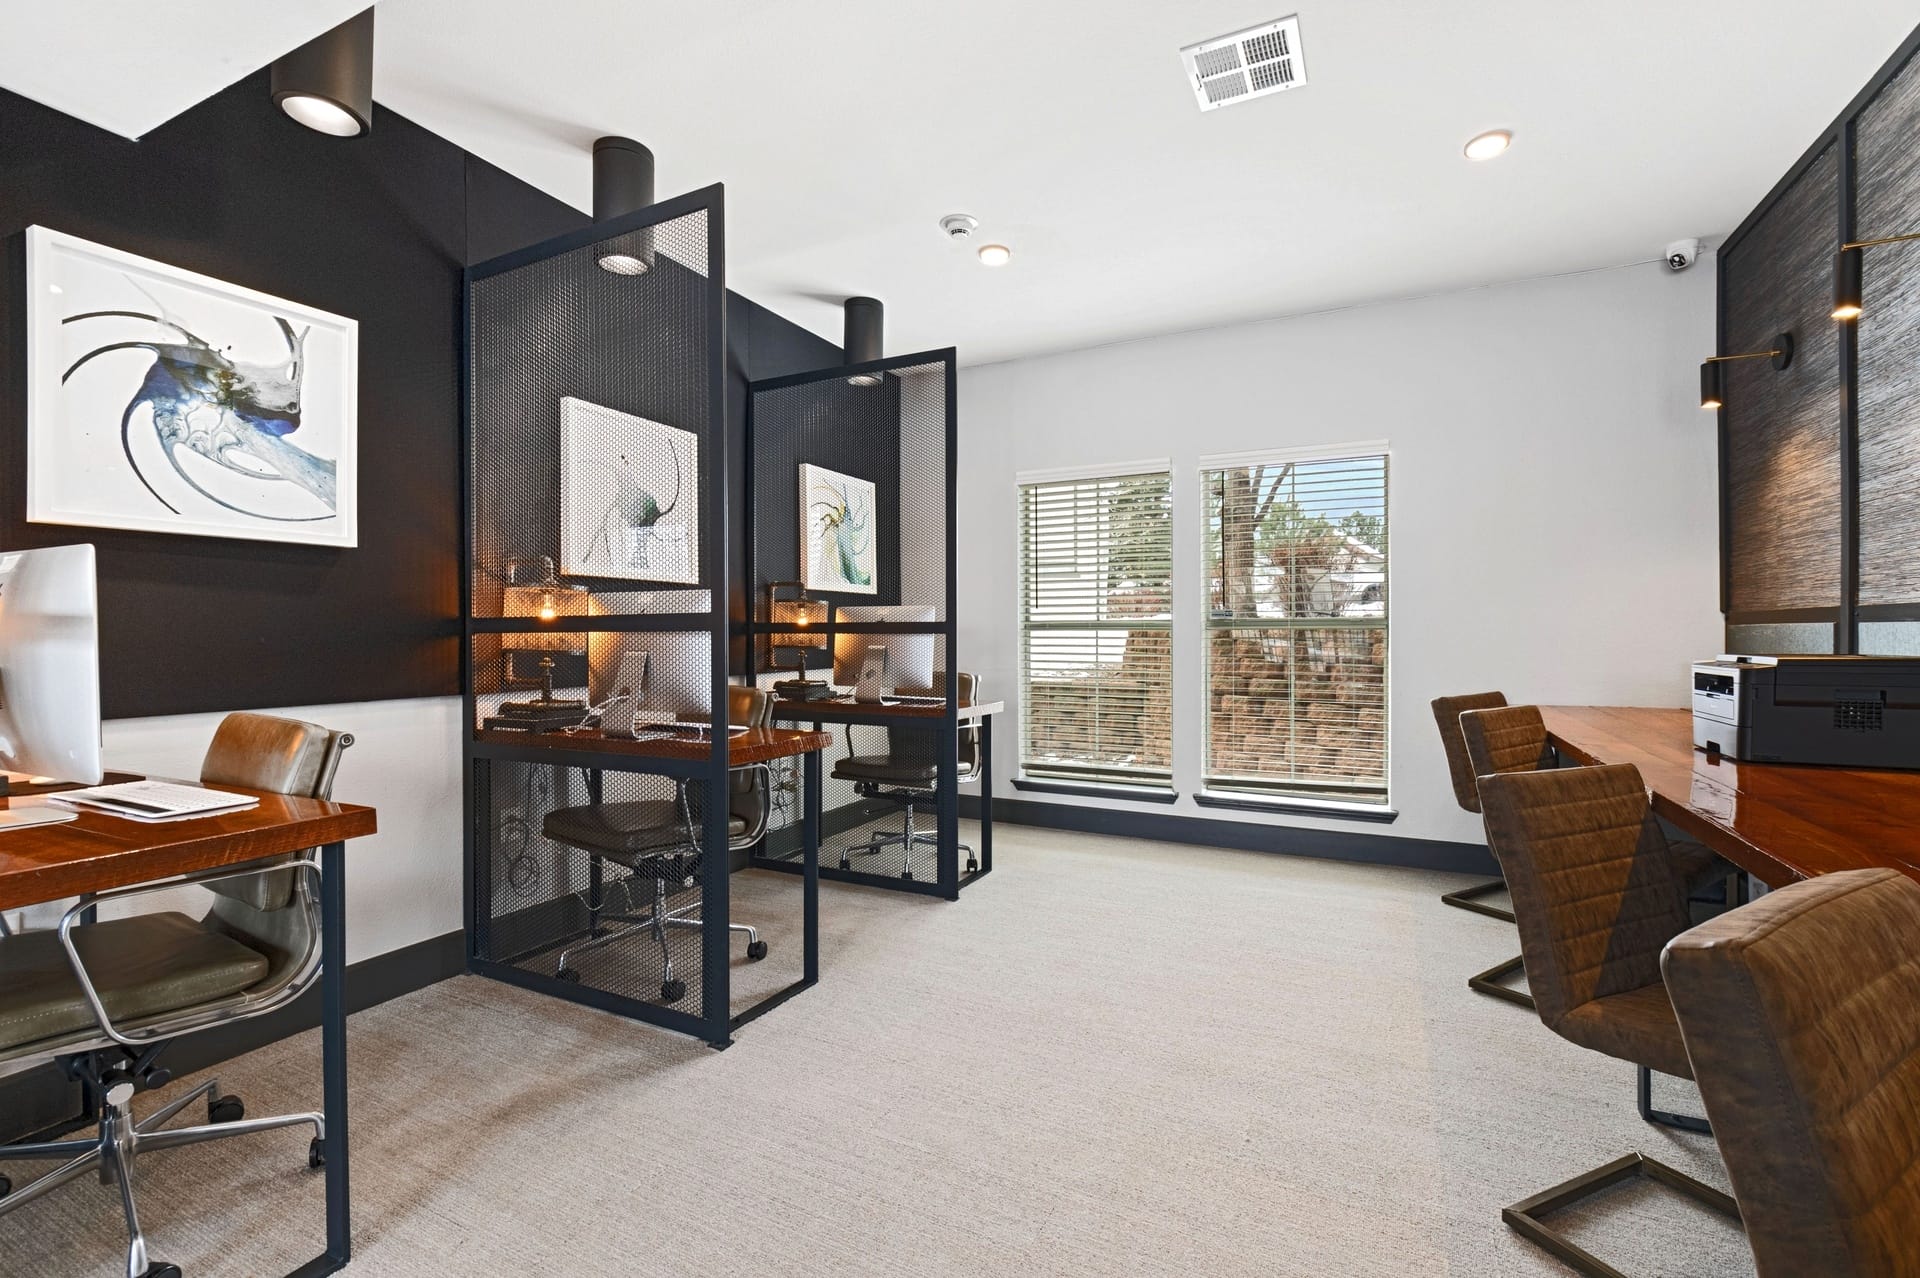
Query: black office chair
(657, 841)
(908, 774)
(104, 999)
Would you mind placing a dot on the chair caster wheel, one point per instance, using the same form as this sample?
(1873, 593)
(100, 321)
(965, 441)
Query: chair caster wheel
(6, 1186)
(846, 863)
(228, 1109)
(756, 950)
(160, 1269)
(672, 991)
(907, 874)
(568, 974)
(973, 866)
(316, 1153)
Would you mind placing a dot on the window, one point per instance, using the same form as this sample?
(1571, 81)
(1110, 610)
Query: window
(1096, 628)
(1296, 652)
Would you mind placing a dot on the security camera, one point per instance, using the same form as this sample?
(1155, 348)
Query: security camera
(1682, 253)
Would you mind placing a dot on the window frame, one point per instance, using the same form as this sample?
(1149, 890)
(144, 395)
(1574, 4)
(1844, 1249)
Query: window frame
(1092, 781)
(1312, 796)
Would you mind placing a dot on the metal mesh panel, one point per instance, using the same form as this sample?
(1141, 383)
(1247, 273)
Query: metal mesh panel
(564, 905)
(589, 411)
(594, 468)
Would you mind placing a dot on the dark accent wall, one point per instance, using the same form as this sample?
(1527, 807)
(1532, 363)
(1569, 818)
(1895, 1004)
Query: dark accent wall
(378, 229)
(1820, 469)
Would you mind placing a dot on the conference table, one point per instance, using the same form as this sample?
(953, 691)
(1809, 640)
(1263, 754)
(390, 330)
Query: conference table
(1779, 822)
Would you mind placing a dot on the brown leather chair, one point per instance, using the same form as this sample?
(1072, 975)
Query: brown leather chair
(658, 841)
(1466, 791)
(1514, 739)
(104, 999)
(1801, 1014)
(1596, 895)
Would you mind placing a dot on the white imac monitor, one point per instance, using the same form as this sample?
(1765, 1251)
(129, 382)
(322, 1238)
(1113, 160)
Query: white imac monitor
(49, 667)
(909, 657)
(670, 671)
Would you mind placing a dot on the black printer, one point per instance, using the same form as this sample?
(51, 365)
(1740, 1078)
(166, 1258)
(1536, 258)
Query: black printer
(1856, 712)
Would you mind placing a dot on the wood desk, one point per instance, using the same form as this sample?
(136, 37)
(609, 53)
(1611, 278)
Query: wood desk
(914, 714)
(96, 852)
(1778, 822)
(755, 745)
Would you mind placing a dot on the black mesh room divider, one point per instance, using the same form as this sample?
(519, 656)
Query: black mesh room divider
(850, 534)
(597, 864)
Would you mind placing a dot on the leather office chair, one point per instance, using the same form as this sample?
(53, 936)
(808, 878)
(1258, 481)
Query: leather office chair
(1596, 895)
(658, 841)
(1801, 1014)
(104, 999)
(1466, 790)
(1447, 713)
(908, 775)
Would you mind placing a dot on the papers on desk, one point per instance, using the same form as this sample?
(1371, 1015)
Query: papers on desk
(154, 801)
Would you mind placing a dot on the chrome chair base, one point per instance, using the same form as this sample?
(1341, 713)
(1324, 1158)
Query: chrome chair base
(1524, 1217)
(112, 1151)
(656, 922)
(910, 837)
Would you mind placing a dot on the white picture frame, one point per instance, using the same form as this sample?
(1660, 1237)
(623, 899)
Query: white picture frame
(629, 496)
(162, 400)
(839, 537)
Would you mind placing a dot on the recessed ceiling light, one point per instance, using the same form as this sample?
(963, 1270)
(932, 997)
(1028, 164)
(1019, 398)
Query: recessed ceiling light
(995, 254)
(1489, 144)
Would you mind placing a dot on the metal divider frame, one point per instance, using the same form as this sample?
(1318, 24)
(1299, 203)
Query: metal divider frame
(682, 243)
(771, 427)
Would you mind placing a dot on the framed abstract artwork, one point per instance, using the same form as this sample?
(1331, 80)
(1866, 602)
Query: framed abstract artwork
(837, 543)
(166, 401)
(629, 496)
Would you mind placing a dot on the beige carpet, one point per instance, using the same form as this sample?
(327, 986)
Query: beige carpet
(1110, 1057)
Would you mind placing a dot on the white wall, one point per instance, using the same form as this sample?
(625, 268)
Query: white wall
(1553, 516)
(403, 884)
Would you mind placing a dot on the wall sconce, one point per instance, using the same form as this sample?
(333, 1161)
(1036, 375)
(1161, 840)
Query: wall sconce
(1849, 266)
(801, 610)
(1713, 373)
(545, 598)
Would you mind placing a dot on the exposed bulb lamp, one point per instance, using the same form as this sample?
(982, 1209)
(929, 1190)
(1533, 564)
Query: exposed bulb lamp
(1713, 372)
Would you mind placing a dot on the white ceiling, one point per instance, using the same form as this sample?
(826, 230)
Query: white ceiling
(844, 129)
(129, 66)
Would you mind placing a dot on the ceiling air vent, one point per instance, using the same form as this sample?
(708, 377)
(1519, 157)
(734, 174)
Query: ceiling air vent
(1247, 64)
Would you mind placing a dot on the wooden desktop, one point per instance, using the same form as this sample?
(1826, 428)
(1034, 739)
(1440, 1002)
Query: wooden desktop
(1778, 822)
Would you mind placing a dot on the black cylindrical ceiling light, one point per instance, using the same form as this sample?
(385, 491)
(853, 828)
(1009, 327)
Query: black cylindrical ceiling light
(327, 83)
(622, 184)
(1713, 372)
(861, 341)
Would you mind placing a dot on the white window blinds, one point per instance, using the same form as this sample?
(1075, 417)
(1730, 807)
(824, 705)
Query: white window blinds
(1096, 629)
(1296, 654)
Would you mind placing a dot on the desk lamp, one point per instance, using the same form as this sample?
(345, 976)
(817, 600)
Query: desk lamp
(547, 599)
(799, 611)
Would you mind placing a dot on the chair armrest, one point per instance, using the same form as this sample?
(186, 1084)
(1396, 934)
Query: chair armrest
(190, 1018)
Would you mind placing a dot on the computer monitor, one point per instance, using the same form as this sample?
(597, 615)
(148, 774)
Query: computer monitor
(49, 666)
(909, 657)
(672, 671)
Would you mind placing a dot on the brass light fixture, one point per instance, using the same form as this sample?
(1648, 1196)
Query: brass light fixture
(1713, 372)
(809, 616)
(1849, 266)
(541, 595)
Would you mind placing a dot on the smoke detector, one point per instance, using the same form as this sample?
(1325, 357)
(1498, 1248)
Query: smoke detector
(1248, 64)
(959, 226)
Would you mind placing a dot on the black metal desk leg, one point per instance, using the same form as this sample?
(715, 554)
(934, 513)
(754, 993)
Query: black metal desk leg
(810, 851)
(986, 793)
(333, 1040)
